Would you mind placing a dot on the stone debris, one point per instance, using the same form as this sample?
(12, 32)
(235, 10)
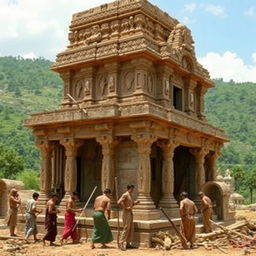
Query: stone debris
(14, 247)
(241, 234)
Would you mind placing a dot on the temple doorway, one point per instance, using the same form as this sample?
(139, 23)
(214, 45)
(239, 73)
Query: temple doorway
(184, 172)
(89, 162)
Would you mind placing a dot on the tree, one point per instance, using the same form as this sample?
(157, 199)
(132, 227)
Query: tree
(250, 182)
(30, 178)
(10, 163)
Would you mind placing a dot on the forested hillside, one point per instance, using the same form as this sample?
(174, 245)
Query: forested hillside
(28, 86)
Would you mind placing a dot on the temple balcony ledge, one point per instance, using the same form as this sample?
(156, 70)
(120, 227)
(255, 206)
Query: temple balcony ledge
(124, 110)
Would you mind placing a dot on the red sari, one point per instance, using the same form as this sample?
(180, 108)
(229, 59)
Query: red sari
(68, 226)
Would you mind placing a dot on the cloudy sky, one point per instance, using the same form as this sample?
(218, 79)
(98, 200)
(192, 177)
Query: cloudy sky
(224, 31)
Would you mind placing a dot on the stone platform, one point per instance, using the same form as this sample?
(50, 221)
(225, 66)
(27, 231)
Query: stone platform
(144, 230)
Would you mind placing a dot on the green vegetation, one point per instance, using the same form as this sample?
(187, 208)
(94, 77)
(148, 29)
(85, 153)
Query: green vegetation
(28, 86)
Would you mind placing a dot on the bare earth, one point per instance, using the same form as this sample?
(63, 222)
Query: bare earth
(83, 249)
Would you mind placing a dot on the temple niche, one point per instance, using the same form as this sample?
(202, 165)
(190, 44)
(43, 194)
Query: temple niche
(133, 107)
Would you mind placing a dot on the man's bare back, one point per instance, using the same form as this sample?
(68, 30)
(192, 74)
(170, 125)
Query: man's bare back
(102, 203)
(187, 207)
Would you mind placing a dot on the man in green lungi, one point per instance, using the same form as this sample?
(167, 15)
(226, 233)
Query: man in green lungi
(101, 230)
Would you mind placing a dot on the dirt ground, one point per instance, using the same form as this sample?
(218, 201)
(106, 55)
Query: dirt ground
(83, 249)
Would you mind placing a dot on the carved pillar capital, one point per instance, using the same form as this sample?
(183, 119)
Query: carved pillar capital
(71, 145)
(45, 146)
(144, 142)
(168, 147)
(199, 153)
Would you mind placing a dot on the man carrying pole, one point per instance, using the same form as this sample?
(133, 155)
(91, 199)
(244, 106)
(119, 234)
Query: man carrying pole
(187, 213)
(70, 221)
(101, 230)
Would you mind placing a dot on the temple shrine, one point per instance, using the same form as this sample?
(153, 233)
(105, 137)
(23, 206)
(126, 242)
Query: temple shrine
(133, 107)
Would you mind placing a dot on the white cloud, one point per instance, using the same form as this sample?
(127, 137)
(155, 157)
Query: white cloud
(189, 7)
(29, 55)
(254, 57)
(250, 12)
(229, 66)
(37, 26)
(214, 9)
(187, 20)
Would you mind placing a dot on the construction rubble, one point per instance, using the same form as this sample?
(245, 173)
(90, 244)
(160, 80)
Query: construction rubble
(241, 234)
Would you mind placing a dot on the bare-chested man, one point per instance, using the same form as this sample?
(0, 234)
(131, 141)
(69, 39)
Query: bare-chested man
(101, 230)
(187, 213)
(206, 210)
(70, 219)
(51, 220)
(127, 203)
(14, 202)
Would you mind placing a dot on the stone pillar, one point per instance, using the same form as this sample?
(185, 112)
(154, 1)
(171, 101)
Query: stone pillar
(142, 67)
(46, 148)
(201, 91)
(190, 96)
(212, 165)
(168, 201)
(199, 155)
(66, 77)
(112, 70)
(108, 169)
(89, 76)
(70, 182)
(164, 86)
(146, 210)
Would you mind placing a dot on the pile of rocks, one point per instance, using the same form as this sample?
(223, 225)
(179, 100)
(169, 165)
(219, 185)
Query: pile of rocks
(14, 247)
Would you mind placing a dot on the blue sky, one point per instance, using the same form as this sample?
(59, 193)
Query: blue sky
(224, 31)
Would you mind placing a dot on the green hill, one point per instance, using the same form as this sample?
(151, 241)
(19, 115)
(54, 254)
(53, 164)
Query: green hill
(28, 86)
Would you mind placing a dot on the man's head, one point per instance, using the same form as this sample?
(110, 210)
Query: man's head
(130, 188)
(54, 197)
(74, 195)
(13, 192)
(200, 194)
(184, 195)
(107, 192)
(35, 196)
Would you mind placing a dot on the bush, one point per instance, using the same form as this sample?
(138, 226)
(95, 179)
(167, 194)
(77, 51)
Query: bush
(30, 178)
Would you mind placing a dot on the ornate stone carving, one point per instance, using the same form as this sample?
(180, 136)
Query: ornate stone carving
(46, 149)
(71, 145)
(87, 88)
(79, 88)
(96, 35)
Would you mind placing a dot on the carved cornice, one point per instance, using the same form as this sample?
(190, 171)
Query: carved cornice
(126, 110)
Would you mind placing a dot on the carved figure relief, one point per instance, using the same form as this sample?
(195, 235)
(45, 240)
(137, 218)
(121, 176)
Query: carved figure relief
(187, 63)
(166, 87)
(111, 84)
(150, 83)
(105, 30)
(96, 35)
(103, 86)
(78, 88)
(114, 27)
(139, 22)
(128, 83)
(192, 99)
(87, 88)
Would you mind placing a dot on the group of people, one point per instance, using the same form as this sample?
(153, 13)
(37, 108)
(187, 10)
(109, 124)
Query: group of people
(102, 206)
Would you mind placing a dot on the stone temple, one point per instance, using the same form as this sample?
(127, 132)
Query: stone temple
(133, 107)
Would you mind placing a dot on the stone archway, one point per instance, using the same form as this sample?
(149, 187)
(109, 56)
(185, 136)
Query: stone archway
(219, 193)
(5, 187)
